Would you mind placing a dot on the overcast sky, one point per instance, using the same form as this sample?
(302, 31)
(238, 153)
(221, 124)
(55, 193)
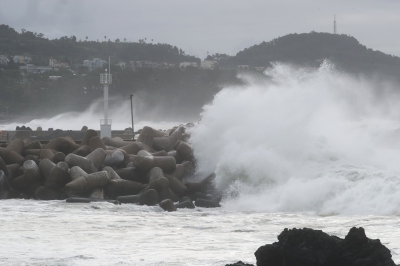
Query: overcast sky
(198, 26)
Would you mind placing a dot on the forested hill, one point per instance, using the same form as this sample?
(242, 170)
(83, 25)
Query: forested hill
(311, 48)
(73, 50)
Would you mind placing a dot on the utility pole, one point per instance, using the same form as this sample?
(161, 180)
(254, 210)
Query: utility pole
(334, 25)
(133, 130)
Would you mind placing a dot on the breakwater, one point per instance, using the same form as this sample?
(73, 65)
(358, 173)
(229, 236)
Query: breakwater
(157, 168)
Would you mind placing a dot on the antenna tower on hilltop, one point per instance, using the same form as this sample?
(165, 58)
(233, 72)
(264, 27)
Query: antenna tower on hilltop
(334, 25)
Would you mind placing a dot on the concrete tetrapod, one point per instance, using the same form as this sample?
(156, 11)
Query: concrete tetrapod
(56, 175)
(201, 186)
(89, 200)
(28, 181)
(115, 142)
(33, 145)
(160, 153)
(174, 154)
(132, 148)
(122, 187)
(97, 157)
(33, 158)
(11, 157)
(82, 186)
(55, 157)
(35, 152)
(177, 186)
(14, 171)
(146, 136)
(168, 143)
(114, 159)
(160, 183)
(133, 174)
(16, 145)
(95, 143)
(145, 163)
(83, 162)
(97, 193)
(185, 204)
(90, 133)
(184, 151)
(4, 186)
(111, 173)
(201, 195)
(45, 193)
(77, 172)
(206, 203)
(83, 150)
(148, 197)
(63, 145)
(167, 205)
(3, 167)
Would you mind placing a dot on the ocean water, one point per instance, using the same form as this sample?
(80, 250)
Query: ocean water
(60, 233)
(314, 149)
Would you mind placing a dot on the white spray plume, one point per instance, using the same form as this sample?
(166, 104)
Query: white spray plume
(321, 141)
(119, 112)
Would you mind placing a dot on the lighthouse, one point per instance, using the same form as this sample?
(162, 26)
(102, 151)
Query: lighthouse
(105, 124)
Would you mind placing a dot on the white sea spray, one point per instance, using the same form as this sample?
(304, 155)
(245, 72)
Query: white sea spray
(323, 141)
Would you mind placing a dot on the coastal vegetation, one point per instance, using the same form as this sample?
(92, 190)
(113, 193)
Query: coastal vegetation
(181, 91)
(310, 49)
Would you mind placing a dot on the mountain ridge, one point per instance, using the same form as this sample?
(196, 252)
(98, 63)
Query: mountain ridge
(311, 49)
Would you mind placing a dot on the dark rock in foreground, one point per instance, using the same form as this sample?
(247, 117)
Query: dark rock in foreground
(239, 263)
(308, 247)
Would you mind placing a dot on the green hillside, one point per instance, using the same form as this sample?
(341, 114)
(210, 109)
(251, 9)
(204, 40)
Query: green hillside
(309, 49)
(42, 49)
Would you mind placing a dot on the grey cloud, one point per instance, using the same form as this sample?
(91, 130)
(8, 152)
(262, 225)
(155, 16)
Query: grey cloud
(196, 26)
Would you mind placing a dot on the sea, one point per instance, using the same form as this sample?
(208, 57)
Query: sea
(317, 149)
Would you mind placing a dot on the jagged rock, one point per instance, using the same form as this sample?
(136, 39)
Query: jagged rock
(308, 247)
(239, 263)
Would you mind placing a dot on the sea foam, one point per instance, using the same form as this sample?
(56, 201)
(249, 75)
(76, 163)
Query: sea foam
(321, 141)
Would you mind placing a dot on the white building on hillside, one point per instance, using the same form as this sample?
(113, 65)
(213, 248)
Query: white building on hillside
(208, 64)
(186, 64)
(30, 68)
(22, 59)
(93, 64)
(52, 62)
(4, 60)
(122, 65)
(143, 64)
(55, 63)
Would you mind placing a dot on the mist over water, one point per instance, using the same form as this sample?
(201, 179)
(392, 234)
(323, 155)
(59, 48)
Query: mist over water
(325, 142)
(119, 112)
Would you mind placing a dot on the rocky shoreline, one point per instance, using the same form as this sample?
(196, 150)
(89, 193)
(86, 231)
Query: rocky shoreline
(156, 169)
(308, 247)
